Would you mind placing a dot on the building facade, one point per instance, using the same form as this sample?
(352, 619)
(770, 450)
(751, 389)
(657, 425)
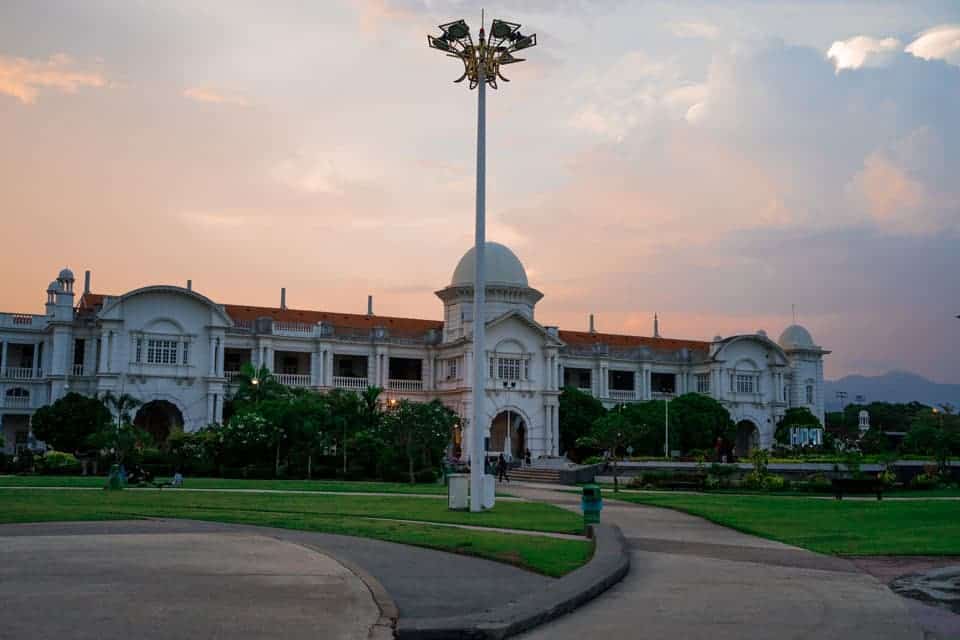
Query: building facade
(177, 351)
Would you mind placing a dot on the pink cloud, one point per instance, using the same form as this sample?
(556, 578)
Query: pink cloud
(23, 78)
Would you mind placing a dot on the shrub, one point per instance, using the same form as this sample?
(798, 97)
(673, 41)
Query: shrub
(924, 481)
(425, 476)
(58, 462)
(592, 460)
(774, 483)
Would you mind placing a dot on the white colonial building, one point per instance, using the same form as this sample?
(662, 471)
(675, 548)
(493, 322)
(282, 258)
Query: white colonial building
(177, 350)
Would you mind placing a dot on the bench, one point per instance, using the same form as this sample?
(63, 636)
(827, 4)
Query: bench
(857, 485)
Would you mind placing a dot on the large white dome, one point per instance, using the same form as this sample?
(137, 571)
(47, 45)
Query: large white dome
(795, 337)
(502, 267)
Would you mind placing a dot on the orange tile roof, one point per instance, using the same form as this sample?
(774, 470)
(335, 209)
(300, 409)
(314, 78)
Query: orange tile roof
(90, 302)
(585, 338)
(397, 326)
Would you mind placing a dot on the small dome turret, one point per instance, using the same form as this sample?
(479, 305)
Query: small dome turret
(65, 275)
(502, 267)
(796, 337)
(54, 287)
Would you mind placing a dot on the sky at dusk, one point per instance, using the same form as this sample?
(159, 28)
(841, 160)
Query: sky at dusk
(715, 162)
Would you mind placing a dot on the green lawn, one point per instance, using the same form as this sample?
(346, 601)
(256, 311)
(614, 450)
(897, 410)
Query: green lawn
(348, 515)
(843, 527)
(228, 483)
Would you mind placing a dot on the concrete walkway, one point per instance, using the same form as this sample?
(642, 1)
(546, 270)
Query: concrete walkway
(693, 579)
(177, 585)
(422, 583)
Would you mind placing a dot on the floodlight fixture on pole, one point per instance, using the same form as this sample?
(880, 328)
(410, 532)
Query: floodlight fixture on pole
(481, 61)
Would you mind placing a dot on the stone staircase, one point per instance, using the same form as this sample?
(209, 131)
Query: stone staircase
(535, 474)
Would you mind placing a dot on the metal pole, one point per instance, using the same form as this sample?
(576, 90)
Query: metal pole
(477, 449)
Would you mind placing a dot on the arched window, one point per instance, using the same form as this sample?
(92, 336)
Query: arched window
(809, 394)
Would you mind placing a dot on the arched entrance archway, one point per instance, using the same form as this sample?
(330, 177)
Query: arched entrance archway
(508, 433)
(159, 418)
(748, 437)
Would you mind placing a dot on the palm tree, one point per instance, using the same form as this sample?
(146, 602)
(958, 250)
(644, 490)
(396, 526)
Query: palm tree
(255, 385)
(121, 405)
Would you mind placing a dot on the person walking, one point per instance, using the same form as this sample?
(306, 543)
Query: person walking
(502, 469)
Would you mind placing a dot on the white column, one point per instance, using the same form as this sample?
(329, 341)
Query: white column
(210, 413)
(328, 370)
(221, 348)
(218, 409)
(314, 368)
(36, 356)
(3, 359)
(213, 356)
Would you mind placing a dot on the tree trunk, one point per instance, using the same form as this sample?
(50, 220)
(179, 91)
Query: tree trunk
(413, 477)
(276, 463)
(616, 485)
(310, 466)
(344, 453)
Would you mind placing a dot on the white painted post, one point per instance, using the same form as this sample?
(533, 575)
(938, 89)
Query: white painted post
(477, 450)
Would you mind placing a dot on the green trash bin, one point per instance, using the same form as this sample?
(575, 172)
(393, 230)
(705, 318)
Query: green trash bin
(115, 480)
(591, 502)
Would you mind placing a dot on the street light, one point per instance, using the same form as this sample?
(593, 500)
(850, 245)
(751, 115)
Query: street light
(481, 66)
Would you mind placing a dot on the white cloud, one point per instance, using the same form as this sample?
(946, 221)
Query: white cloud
(861, 51)
(214, 96)
(703, 30)
(23, 78)
(938, 43)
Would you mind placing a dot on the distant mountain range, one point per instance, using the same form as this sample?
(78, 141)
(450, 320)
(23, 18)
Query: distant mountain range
(896, 386)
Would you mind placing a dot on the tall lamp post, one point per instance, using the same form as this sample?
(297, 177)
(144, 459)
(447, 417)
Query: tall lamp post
(481, 66)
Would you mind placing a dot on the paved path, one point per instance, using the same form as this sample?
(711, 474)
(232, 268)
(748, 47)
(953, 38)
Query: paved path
(693, 579)
(423, 583)
(177, 585)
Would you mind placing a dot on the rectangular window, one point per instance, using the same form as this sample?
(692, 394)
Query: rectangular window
(744, 383)
(138, 356)
(809, 394)
(452, 369)
(186, 352)
(162, 351)
(703, 383)
(508, 368)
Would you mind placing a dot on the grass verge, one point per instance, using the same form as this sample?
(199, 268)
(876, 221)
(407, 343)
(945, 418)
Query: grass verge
(347, 515)
(231, 483)
(841, 527)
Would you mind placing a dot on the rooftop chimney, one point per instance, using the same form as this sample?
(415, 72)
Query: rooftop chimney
(369, 305)
(656, 326)
(189, 285)
(283, 298)
(86, 281)
(592, 330)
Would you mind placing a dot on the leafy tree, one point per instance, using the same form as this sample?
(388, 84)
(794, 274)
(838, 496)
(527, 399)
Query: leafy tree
(795, 417)
(68, 423)
(610, 432)
(698, 420)
(420, 429)
(578, 412)
(124, 439)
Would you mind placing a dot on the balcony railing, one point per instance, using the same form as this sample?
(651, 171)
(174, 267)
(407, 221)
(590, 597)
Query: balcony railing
(349, 382)
(293, 379)
(231, 376)
(77, 370)
(293, 328)
(16, 402)
(20, 320)
(405, 385)
(623, 396)
(19, 373)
